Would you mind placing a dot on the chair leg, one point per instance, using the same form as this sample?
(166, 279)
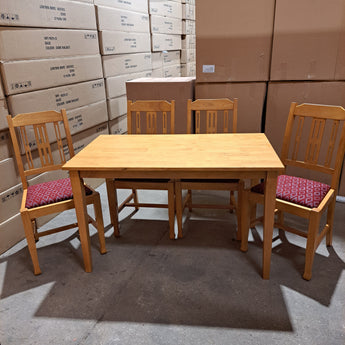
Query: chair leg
(100, 225)
(113, 206)
(330, 219)
(171, 208)
(244, 206)
(179, 207)
(189, 200)
(238, 210)
(313, 228)
(135, 198)
(232, 201)
(30, 238)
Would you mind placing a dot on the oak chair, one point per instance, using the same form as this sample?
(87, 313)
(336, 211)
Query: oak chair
(313, 145)
(40, 135)
(211, 116)
(145, 117)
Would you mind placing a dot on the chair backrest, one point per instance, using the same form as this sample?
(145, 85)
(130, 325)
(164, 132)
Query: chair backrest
(315, 139)
(40, 136)
(155, 115)
(212, 115)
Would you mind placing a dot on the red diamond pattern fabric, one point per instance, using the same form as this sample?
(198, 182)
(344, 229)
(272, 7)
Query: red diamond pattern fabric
(298, 190)
(50, 192)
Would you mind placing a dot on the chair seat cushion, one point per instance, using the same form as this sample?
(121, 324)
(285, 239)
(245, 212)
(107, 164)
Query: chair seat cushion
(50, 193)
(298, 190)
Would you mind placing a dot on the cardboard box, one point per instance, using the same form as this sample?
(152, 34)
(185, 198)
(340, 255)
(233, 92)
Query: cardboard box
(88, 116)
(115, 19)
(11, 232)
(2, 95)
(172, 71)
(165, 58)
(188, 69)
(234, 40)
(188, 55)
(116, 86)
(188, 27)
(117, 107)
(11, 200)
(341, 190)
(129, 5)
(118, 125)
(165, 8)
(158, 72)
(6, 147)
(178, 89)
(165, 25)
(116, 42)
(162, 42)
(312, 46)
(188, 11)
(48, 13)
(251, 98)
(279, 98)
(189, 42)
(62, 97)
(3, 114)
(114, 65)
(28, 75)
(21, 44)
(8, 169)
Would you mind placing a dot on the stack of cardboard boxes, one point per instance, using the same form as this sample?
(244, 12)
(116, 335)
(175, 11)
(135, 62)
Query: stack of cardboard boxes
(166, 31)
(124, 34)
(188, 52)
(49, 60)
(233, 42)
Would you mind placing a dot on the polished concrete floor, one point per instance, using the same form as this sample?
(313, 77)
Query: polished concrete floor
(148, 289)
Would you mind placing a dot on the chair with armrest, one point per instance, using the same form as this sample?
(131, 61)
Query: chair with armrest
(145, 117)
(40, 135)
(211, 116)
(313, 146)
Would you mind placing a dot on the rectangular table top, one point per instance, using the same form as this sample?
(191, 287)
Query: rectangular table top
(178, 152)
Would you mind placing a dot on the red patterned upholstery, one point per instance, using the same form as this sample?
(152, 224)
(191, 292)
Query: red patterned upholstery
(50, 192)
(298, 190)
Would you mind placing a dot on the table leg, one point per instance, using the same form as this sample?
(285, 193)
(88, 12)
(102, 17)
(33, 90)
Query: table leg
(269, 207)
(82, 218)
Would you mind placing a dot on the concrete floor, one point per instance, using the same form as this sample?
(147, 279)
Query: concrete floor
(150, 290)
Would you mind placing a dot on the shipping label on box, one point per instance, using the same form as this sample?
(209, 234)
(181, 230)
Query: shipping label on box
(3, 114)
(189, 42)
(117, 107)
(188, 55)
(116, 42)
(165, 8)
(165, 25)
(114, 19)
(6, 147)
(114, 65)
(118, 125)
(62, 97)
(162, 42)
(130, 5)
(21, 44)
(188, 27)
(116, 86)
(28, 75)
(47, 13)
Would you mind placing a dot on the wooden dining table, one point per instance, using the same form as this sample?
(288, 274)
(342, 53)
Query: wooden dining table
(178, 156)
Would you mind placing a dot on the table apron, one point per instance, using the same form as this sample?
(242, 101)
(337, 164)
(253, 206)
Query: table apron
(250, 174)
